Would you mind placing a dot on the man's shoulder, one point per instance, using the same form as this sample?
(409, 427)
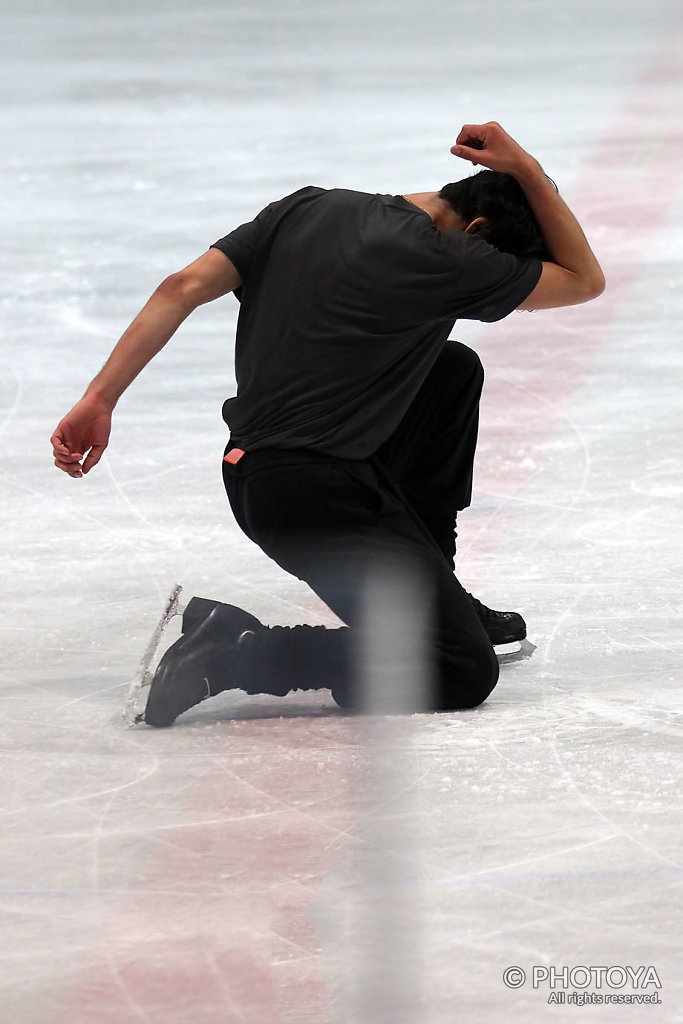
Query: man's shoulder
(311, 196)
(338, 196)
(320, 206)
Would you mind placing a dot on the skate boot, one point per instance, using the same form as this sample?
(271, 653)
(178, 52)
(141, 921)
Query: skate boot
(183, 677)
(198, 608)
(501, 627)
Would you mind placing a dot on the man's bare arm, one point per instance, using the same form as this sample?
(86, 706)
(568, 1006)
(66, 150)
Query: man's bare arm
(575, 275)
(86, 428)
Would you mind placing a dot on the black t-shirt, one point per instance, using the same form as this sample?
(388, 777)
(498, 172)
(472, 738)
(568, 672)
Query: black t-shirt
(346, 302)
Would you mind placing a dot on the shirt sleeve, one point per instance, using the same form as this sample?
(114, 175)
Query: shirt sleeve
(488, 284)
(241, 245)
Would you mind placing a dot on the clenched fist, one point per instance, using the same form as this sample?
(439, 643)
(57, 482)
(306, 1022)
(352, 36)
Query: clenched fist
(492, 147)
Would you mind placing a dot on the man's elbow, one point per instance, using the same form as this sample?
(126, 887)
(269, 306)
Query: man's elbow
(585, 290)
(596, 285)
(204, 280)
(181, 290)
(559, 287)
(584, 286)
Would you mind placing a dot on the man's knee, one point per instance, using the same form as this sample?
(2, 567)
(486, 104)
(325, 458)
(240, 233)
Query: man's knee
(468, 679)
(457, 362)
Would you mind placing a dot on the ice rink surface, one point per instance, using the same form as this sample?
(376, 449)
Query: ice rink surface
(268, 860)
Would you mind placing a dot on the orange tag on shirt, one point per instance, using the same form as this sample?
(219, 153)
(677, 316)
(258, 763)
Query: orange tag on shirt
(233, 456)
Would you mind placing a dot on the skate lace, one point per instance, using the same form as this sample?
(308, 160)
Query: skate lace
(483, 611)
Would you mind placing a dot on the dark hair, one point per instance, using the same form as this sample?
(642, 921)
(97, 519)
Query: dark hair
(511, 225)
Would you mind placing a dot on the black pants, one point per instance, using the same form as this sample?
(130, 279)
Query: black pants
(325, 520)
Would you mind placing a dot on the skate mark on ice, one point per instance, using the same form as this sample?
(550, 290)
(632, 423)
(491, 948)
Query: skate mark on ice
(525, 476)
(91, 693)
(586, 799)
(672, 648)
(95, 794)
(18, 395)
(128, 996)
(628, 718)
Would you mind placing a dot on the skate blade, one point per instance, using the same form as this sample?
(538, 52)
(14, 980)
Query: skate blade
(143, 677)
(518, 650)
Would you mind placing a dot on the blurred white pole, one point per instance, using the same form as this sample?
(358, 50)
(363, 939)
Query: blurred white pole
(386, 923)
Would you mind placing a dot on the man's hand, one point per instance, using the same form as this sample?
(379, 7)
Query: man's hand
(83, 432)
(492, 147)
(574, 275)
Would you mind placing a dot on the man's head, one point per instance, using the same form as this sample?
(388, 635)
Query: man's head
(504, 218)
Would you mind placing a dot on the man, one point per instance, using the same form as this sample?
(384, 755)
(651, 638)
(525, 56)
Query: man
(354, 425)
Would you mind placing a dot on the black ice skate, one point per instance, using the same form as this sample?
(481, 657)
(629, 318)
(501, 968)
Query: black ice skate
(183, 677)
(501, 627)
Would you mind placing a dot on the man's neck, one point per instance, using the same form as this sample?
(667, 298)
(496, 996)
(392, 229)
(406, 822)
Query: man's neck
(441, 212)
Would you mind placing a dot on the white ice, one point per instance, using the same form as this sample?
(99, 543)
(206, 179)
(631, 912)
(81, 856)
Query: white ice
(274, 860)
